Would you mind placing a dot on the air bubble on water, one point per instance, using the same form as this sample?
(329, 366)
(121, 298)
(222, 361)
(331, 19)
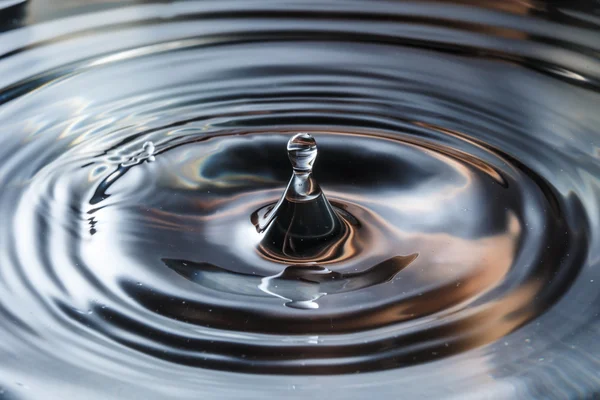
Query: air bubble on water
(148, 149)
(145, 154)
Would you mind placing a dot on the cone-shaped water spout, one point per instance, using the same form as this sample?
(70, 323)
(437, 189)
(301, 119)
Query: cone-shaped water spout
(302, 225)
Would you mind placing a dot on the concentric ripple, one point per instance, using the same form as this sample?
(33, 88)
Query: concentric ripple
(458, 145)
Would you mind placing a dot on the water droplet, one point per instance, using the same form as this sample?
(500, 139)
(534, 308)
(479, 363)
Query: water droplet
(302, 151)
(303, 224)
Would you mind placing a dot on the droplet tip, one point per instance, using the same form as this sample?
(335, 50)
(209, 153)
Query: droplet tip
(302, 151)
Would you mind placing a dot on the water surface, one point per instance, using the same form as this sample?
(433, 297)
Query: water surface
(458, 146)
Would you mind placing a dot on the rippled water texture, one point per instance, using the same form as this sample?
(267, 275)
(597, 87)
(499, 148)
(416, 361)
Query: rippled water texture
(142, 148)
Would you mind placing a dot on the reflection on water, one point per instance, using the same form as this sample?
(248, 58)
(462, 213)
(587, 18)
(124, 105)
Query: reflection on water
(300, 286)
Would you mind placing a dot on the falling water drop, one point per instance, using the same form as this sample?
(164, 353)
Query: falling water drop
(302, 152)
(302, 224)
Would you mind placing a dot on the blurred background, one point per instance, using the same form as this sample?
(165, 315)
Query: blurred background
(14, 13)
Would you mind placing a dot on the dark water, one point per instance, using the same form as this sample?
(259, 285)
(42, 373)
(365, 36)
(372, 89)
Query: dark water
(459, 148)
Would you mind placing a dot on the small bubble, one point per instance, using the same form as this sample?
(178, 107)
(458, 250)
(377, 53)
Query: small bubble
(147, 153)
(139, 284)
(148, 148)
